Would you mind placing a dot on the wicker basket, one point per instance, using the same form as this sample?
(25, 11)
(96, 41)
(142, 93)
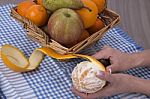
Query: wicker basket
(109, 17)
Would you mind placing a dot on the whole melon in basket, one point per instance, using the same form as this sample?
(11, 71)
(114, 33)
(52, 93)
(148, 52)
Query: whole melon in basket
(65, 27)
(84, 77)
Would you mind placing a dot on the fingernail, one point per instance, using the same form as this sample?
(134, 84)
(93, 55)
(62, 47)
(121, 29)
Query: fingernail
(100, 73)
(110, 71)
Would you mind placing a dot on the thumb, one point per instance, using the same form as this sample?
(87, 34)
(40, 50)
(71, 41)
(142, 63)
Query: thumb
(104, 76)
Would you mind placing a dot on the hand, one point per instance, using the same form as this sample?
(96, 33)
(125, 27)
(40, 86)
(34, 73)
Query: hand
(119, 61)
(117, 83)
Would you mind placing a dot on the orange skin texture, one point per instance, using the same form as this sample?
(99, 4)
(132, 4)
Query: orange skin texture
(84, 35)
(40, 2)
(101, 4)
(23, 7)
(37, 14)
(88, 16)
(98, 25)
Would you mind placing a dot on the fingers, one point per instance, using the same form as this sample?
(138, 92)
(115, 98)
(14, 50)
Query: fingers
(104, 76)
(81, 94)
(113, 68)
(106, 91)
(102, 93)
(106, 46)
(104, 53)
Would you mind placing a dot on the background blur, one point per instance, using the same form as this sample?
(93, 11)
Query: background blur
(135, 18)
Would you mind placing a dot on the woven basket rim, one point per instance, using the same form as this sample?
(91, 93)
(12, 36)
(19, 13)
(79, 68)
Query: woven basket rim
(44, 40)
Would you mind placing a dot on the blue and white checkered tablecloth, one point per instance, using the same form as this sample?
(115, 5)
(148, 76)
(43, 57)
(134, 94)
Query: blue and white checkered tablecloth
(51, 80)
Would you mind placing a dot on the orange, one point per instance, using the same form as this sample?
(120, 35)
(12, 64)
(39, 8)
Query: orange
(40, 2)
(99, 24)
(23, 7)
(88, 16)
(101, 4)
(37, 14)
(85, 34)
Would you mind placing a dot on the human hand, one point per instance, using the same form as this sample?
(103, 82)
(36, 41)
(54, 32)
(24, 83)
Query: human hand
(120, 61)
(117, 83)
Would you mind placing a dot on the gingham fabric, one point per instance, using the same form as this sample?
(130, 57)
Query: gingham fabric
(52, 79)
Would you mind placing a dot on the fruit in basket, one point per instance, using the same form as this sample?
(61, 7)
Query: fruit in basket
(54, 5)
(85, 34)
(88, 16)
(37, 14)
(65, 26)
(99, 24)
(23, 7)
(45, 29)
(84, 77)
(40, 2)
(101, 4)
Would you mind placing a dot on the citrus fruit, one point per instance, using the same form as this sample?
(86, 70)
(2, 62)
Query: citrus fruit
(84, 78)
(84, 35)
(101, 4)
(99, 24)
(88, 16)
(23, 7)
(37, 14)
(40, 2)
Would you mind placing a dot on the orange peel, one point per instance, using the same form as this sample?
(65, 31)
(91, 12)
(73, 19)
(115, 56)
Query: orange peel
(17, 61)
